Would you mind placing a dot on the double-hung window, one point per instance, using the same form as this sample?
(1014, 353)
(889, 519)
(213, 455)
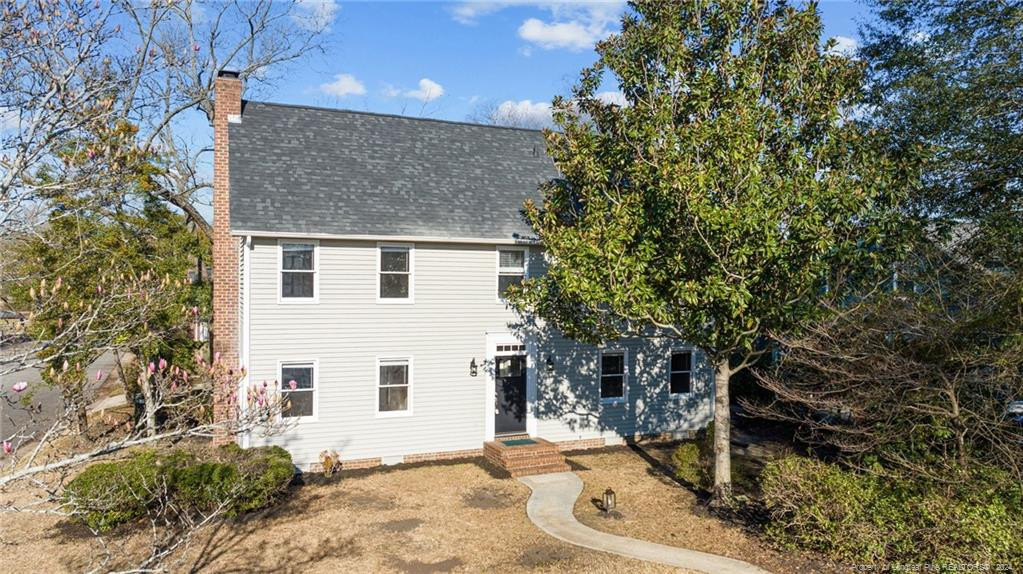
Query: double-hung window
(394, 384)
(395, 274)
(680, 377)
(298, 271)
(612, 376)
(511, 269)
(298, 389)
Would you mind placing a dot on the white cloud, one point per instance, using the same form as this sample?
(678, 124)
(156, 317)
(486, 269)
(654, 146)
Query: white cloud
(468, 13)
(523, 113)
(315, 15)
(391, 91)
(576, 25)
(427, 92)
(343, 85)
(615, 97)
(571, 35)
(845, 46)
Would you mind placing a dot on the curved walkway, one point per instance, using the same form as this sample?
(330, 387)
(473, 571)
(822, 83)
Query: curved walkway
(550, 507)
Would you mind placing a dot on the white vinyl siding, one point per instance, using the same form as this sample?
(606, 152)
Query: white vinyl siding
(447, 327)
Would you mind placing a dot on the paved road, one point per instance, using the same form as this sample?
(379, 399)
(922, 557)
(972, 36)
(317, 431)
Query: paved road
(45, 397)
(550, 508)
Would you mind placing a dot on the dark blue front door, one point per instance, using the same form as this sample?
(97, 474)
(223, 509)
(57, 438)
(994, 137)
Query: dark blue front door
(510, 384)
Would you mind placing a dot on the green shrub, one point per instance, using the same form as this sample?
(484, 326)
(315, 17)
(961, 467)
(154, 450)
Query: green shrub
(111, 493)
(694, 461)
(229, 478)
(858, 517)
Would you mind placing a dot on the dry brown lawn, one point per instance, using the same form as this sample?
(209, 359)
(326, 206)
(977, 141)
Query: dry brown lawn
(455, 517)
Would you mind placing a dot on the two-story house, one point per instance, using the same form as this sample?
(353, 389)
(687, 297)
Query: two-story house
(365, 256)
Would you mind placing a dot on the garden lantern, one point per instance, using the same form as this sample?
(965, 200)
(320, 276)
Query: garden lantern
(609, 500)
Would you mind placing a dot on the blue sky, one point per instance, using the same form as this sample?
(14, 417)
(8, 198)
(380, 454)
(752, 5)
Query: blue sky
(441, 60)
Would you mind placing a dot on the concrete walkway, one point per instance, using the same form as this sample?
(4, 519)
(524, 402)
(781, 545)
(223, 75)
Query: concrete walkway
(550, 508)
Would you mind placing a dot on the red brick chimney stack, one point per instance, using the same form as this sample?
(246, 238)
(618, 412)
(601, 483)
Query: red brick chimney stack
(225, 329)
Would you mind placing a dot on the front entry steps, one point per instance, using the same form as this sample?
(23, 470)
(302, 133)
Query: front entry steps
(524, 456)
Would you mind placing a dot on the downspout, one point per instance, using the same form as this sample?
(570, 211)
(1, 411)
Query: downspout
(246, 437)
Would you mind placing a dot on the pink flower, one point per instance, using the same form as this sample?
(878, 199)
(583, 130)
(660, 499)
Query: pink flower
(184, 375)
(19, 387)
(174, 386)
(99, 375)
(195, 310)
(216, 356)
(151, 368)
(292, 384)
(196, 47)
(8, 447)
(163, 364)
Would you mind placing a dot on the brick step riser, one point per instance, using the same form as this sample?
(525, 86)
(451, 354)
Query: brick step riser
(521, 453)
(540, 470)
(528, 459)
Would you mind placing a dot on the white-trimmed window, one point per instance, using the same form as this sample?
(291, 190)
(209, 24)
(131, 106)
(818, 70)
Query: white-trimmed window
(394, 278)
(511, 269)
(680, 372)
(394, 386)
(612, 375)
(298, 270)
(298, 389)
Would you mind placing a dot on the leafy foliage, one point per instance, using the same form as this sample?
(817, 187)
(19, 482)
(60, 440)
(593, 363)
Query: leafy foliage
(947, 75)
(864, 518)
(229, 480)
(717, 203)
(694, 460)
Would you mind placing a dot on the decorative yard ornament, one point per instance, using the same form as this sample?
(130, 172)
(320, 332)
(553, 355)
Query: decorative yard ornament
(473, 368)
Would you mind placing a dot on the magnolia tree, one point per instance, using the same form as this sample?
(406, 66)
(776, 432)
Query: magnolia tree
(75, 72)
(178, 405)
(721, 199)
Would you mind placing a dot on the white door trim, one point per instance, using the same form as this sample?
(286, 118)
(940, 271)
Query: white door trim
(505, 338)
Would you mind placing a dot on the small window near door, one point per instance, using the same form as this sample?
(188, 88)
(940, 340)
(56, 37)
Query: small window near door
(681, 375)
(298, 271)
(297, 389)
(511, 269)
(612, 375)
(393, 385)
(395, 273)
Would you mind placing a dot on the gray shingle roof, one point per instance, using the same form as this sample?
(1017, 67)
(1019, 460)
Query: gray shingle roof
(323, 171)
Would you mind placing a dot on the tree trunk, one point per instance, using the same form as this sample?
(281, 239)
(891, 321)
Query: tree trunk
(722, 433)
(150, 403)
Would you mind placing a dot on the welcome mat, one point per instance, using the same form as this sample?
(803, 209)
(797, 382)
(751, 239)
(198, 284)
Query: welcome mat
(518, 442)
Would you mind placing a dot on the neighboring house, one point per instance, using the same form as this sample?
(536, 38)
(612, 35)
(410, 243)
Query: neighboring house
(364, 256)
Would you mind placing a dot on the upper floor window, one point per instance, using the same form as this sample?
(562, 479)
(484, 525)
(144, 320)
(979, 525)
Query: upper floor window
(511, 269)
(612, 375)
(395, 273)
(298, 388)
(681, 372)
(298, 270)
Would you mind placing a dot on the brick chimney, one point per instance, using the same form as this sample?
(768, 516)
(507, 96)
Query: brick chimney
(227, 108)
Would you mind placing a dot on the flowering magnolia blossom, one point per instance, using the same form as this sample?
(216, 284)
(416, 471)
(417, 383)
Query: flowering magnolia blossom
(292, 384)
(151, 368)
(8, 447)
(163, 364)
(19, 386)
(99, 375)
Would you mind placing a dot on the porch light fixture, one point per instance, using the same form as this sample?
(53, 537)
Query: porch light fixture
(550, 361)
(609, 500)
(473, 370)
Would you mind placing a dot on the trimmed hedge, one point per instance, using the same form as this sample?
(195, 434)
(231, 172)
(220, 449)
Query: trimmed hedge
(694, 460)
(862, 518)
(230, 478)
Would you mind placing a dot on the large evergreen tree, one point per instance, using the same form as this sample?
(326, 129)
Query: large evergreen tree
(718, 203)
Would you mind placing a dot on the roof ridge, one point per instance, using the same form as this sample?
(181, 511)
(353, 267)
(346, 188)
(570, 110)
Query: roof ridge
(384, 115)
